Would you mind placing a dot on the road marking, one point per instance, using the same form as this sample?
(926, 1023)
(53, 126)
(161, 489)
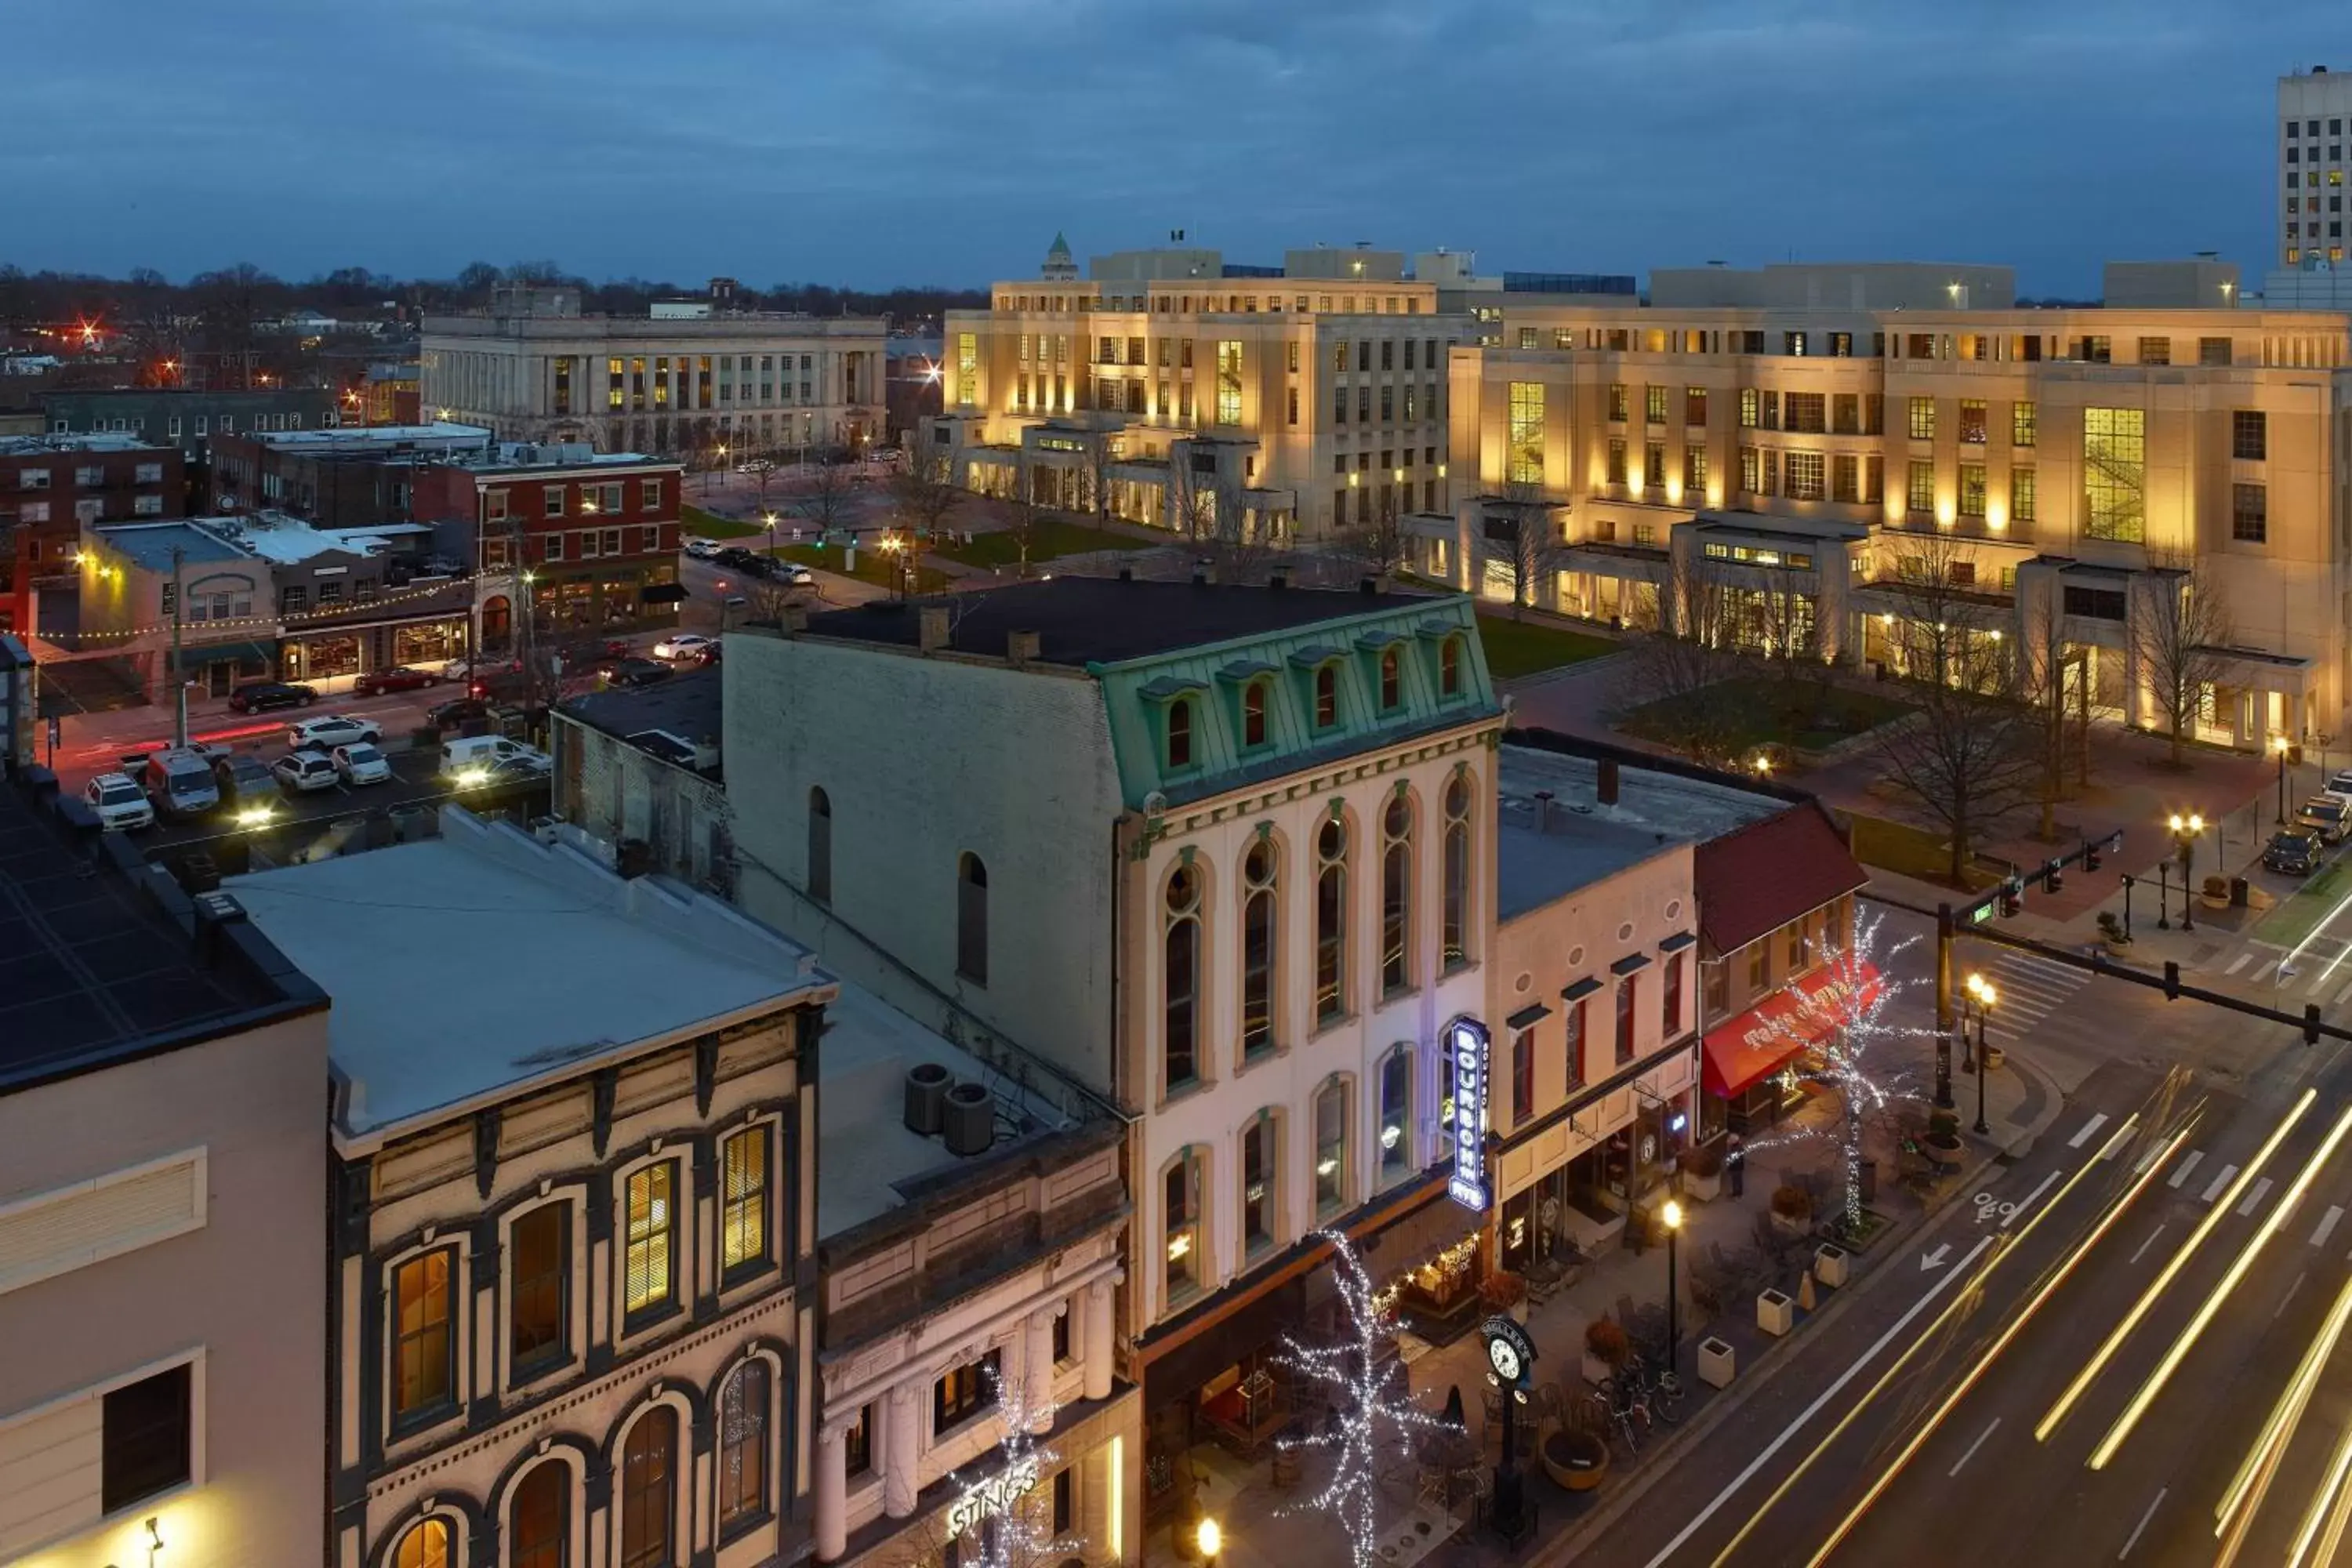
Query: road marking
(2265, 969)
(2319, 980)
(2149, 1242)
(2326, 1225)
(2239, 962)
(2219, 1183)
(2147, 1159)
(1764, 1456)
(2092, 1125)
(2188, 1164)
(1974, 1447)
(2253, 1196)
(2288, 1297)
(2010, 1211)
(2134, 1539)
(2340, 995)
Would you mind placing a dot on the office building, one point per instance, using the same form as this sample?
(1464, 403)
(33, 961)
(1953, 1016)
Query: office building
(2313, 109)
(188, 417)
(50, 486)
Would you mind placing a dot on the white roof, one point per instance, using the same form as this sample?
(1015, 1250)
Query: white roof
(483, 961)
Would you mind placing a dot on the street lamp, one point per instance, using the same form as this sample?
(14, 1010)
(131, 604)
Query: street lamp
(1211, 1541)
(770, 519)
(1672, 1216)
(2185, 830)
(2278, 745)
(1982, 998)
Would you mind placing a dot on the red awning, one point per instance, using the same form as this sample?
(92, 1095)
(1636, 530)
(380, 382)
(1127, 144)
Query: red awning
(1758, 1041)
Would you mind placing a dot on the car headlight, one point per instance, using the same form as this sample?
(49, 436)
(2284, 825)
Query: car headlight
(472, 775)
(254, 815)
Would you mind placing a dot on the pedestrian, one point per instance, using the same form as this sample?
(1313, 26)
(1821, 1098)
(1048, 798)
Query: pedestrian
(1736, 1167)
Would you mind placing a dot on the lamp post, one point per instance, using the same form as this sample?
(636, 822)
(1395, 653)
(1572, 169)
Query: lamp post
(1982, 998)
(2185, 830)
(1211, 1541)
(2278, 745)
(1672, 1216)
(2128, 891)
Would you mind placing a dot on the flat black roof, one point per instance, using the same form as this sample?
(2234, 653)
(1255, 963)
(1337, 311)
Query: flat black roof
(92, 972)
(689, 705)
(1105, 620)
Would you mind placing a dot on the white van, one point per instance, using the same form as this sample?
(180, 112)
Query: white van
(470, 757)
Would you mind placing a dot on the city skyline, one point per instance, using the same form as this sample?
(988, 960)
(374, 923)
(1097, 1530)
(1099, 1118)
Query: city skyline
(948, 145)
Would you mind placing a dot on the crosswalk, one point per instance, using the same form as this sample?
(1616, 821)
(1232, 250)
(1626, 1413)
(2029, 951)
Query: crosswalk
(2320, 971)
(2029, 988)
(2221, 1175)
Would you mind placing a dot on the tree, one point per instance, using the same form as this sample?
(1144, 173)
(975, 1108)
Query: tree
(1515, 532)
(2059, 745)
(924, 489)
(1214, 517)
(1004, 1517)
(1379, 543)
(1683, 665)
(231, 304)
(1022, 517)
(825, 501)
(2181, 632)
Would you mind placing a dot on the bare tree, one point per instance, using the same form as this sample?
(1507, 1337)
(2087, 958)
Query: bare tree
(1682, 666)
(924, 490)
(826, 501)
(1380, 543)
(2042, 684)
(1213, 515)
(1516, 529)
(231, 303)
(2181, 632)
(1022, 517)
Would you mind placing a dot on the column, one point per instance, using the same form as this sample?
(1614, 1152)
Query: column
(899, 1479)
(1097, 1478)
(1038, 1372)
(1098, 1352)
(831, 1495)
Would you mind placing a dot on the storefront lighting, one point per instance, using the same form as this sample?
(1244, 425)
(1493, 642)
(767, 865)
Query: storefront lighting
(1324, 1166)
(1389, 1135)
(1178, 1245)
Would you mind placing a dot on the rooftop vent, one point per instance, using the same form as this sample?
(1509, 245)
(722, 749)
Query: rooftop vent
(927, 1093)
(971, 1119)
(931, 628)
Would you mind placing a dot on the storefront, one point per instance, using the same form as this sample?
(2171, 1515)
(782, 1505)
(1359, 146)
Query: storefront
(611, 597)
(1756, 1067)
(217, 668)
(333, 657)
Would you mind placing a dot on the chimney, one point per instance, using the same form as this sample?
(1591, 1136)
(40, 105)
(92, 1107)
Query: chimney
(931, 628)
(1278, 578)
(706, 755)
(1543, 811)
(1202, 576)
(1368, 585)
(1127, 573)
(795, 618)
(1021, 649)
(1604, 788)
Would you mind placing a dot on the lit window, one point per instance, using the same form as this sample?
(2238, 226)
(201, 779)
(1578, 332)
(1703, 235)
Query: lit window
(743, 1222)
(424, 1342)
(650, 1229)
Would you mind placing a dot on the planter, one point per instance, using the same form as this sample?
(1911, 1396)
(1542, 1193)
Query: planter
(1706, 1189)
(1716, 1363)
(1574, 1460)
(1792, 1224)
(1994, 1056)
(1944, 1149)
(1776, 1312)
(2117, 947)
(1829, 1266)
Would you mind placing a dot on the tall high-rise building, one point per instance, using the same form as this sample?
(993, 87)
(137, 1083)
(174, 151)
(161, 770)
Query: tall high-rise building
(2313, 109)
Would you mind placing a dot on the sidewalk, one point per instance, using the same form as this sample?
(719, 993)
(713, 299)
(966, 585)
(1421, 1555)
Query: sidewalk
(2020, 1105)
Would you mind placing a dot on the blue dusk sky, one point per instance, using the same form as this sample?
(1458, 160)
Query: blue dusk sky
(945, 141)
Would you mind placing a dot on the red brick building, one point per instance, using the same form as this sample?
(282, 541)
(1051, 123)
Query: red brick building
(51, 485)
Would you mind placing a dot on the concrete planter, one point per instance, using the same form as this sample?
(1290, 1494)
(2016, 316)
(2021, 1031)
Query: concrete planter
(1706, 1189)
(1716, 1363)
(1776, 1312)
(1829, 1266)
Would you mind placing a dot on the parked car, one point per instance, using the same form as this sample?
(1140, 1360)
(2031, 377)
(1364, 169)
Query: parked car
(636, 672)
(399, 677)
(682, 644)
(179, 781)
(247, 789)
(360, 765)
(733, 555)
(469, 758)
(2325, 816)
(120, 802)
(2341, 786)
(523, 766)
(701, 549)
(301, 772)
(709, 654)
(796, 575)
(334, 729)
(458, 710)
(261, 696)
(2291, 851)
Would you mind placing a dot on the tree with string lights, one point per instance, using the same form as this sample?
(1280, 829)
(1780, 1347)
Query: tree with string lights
(1000, 1519)
(1372, 1411)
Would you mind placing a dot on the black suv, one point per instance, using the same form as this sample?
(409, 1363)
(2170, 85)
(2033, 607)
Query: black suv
(261, 696)
(457, 711)
(2292, 852)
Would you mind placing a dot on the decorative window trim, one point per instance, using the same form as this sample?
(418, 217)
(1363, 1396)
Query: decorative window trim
(400, 1431)
(576, 1272)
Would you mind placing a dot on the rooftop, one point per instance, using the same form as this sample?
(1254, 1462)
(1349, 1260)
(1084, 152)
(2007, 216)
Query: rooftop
(1753, 882)
(687, 706)
(92, 971)
(871, 1159)
(88, 441)
(272, 536)
(149, 545)
(500, 457)
(370, 437)
(1661, 805)
(1083, 621)
(493, 917)
(1542, 858)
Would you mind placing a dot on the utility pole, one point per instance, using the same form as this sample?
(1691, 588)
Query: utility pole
(179, 680)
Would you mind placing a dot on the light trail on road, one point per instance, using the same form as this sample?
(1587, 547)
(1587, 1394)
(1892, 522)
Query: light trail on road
(2253, 1482)
(2171, 1271)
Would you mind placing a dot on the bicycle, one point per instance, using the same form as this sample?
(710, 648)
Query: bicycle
(1613, 1418)
(1659, 1390)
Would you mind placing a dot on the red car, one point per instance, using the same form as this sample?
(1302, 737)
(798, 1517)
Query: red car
(399, 677)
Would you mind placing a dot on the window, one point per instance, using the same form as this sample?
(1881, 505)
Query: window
(551, 497)
(1396, 1114)
(144, 1443)
(1694, 469)
(539, 1259)
(424, 1342)
(1694, 405)
(651, 1273)
(1616, 460)
(1229, 382)
(1846, 478)
(540, 1519)
(743, 1445)
(1258, 1184)
(1180, 1008)
(857, 1443)
(1919, 494)
(1327, 696)
(2156, 350)
(1653, 465)
(649, 1491)
(1180, 733)
(1260, 912)
(1923, 419)
(2249, 435)
(2250, 512)
(966, 1391)
(1654, 405)
(1391, 681)
(2115, 473)
(972, 919)
(1751, 471)
(2021, 495)
(1526, 452)
(819, 846)
(2213, 351)
(1575, 1052)
(1523, 1075)
(1454, 940)
(1799, 950)
(1972, 489)
(1628, 993)
(1617, 402)
(1750, 406)
(2100, 604)
(1673, 1020)
(1331, 1147)
(1396, 895)
(1806, 413)
(1804, 475)
(427, 1545)
(1972, 421)
(743, 1216)
(1449, 667)
(1330, 920)
(1254, 731)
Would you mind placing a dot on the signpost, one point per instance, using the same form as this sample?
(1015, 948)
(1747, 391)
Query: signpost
(1466, 1038)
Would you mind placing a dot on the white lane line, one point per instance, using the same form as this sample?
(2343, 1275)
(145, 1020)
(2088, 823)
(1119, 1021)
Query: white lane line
(2092, 1125)
(2219, 1183)
(2253, 1196)
(2188, 1164)
(2239, 962)
(2027, 1202)
(2319, 980)
(2258, 974)
(2134, 1539)
(1764, 1456)
(2150, 1241)
(2147, 1159)
(2328, 1224)
(2340, 995)
(1974, 1447)
(2288, 1297)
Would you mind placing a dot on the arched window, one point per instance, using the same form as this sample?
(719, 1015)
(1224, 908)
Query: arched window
(1391, 681)
(1180, 732)
(743, 1445)
(538, 1520)
(1455, 938)
(972, 919)
(1180, 1193)
(1330, 920)
(820, 847)
(1449, 667)
(1327, 696)
(427, 1545)
(1254, 721)
(1181, 1008)
(1396, 1114)
(1331, 1147)
(649, 1491)
(1396, 895)
(1260, 916)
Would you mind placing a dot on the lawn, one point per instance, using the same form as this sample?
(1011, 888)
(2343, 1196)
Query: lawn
(710, 525)
(1750, 712)
(1527, 648)
(874, 566)
(2300, 913)
(1913, 851)
(1051, 538)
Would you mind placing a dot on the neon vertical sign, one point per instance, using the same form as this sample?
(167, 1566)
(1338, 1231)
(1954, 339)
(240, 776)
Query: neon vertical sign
(1466, 1039)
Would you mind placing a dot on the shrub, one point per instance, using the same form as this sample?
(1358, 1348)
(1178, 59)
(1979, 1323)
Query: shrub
(1704, 1162)
(1606, 1341)
(1943, 1124)
(1792, 1202)
(2217, 887)
(2111, 927)
(1502, 1290)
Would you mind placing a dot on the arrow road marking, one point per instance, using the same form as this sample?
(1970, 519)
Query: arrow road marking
(1934, 1260)
(2188, 1164)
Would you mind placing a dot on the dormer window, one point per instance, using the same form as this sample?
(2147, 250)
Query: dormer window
(1255, 697)
(1180, 733)
(1449, 667)
(1326, 696)
(1391, 681)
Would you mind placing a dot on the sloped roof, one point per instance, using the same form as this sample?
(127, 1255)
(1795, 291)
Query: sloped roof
(1758, 878)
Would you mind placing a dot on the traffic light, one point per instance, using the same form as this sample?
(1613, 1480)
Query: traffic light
(2311, 1023)
(2171, 981)
(2053, 876)
(2089, 856)
(2012, 898)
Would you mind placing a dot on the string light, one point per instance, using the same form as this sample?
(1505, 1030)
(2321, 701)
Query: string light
(1005, 1530)
(1376, 1412)
(338, 612)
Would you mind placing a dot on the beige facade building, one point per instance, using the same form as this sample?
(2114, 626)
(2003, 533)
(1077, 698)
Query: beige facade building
(533, 368)
(2313, 109)
(1170, 388)
(1809, 463)
(163, 1181)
